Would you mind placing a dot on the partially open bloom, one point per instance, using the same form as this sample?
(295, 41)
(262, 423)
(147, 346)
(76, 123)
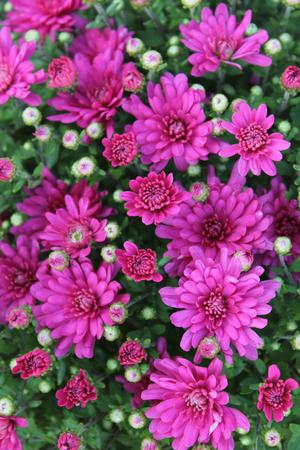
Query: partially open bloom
(290, 79)
(138, 264)
(173, 125)
(32, 364)
(18, 268)
(149, 444)
(77, 392)
(219, 39)
(18, 318)
(190, 405)
(62, 72)
(47, 17)
(216, 299)
(17, 72)
(81, 308)
(9, 439)
(72, 229)
(153, 198)
(68, 441)
(7, 170)
(133, 79)
(257, 148)
(275, 397)
(131, 352)
(120, 149)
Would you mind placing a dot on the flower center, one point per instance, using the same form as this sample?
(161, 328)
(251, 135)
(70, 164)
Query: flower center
(19, 281)
(287, 226)
(84, 303)
(223, 48)
(78, 235)
(175, 128)
(154, 195)
(123, 150)
(197, 399)
(274, 393)
(5, 76)
(215, 308)
(252, 138)
(213, 230)
(140, 264)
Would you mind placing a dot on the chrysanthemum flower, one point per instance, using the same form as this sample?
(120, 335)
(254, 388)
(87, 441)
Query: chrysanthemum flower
(7, 170)
(73, 229)
(190, 405)
(17, 71)
(32, 364)
(230, 218)
(18, 268)
(46, 17)
(219, 39)
(9, 439)
(120, 149)
(275, 397)
(138, 264)
(290, 79)
(257, 148)
(98, 92)
(75, 304)
(62, 72)
(68, 441)
(173, 125)
(153, 198)
(131, 352)
(77, 392)
(132, 78)
(216, 299)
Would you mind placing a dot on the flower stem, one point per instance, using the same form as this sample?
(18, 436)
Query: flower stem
(221, 78)
(152, 16)
(284, 102)
(286, 269)
(101, 11)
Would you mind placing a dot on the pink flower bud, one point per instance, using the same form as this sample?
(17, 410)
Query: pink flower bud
(62, 72)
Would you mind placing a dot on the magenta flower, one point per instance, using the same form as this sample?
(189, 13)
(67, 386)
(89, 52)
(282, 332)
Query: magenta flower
(216, 299)
(138, 264)
(257, 148)
(18, 318)
(153, 198)
(18, 268)
(7, 170)
(120, 149)
(62, 72)
(190, 405)
(77, 392)
(230, 218)
(75, 304)
(17, 72)
(131, 352)
(275, 397)
(133, 79)
(219, 39)
(173, 125)
(47, 17)
(32, 364)
(73, 229)
(98, 92)
(9, 439)
(68, 441)
(290, 79)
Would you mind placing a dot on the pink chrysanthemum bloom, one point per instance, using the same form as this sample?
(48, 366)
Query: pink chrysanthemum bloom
(73, 229)
(275, 397)
(153, 198)
(133, 79)
(18, 318)
(173, 125)
(98, 92)
(17, 71)
(47, 17)
(68, 441)
(230, 218)
(9, 439)
(257, 148)
(120, 149)
(75, 304)
(138, 264)
(131, 352)
(286, 220)
(219, 39)
(18, 268)
(290, 79)
(216, 299)
(77, 392)
(32, 364)
(190, 405)
(95, 42)
(7, 170)
(62, 72)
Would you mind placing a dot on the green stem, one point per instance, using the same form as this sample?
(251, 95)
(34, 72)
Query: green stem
(286, 269)
(101, 11)
(284, 102)
(152, 16)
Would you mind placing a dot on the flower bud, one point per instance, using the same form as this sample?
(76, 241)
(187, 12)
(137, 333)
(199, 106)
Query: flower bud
(273, 47)
(42, 133)
(137, 420)
(7, 7)
(31, 116)
(71, 139)
(208, 347)
(7, 407)
(45, 387)
(219, 103)
(199, 191)
(108, 253)
(284, 126)
(132, 78)
(174, 40)
(16, 219)
(149, 444)
(112, 230)
(295, 342)
(235, 104)
(151, 60)
(173, 51)
(7, 170)
(58, 260)
(286, 38)
(291, 326)
(32, 35)
(84, 167)
(256, 91)
(217, 127)
(134, 46)
(118, 312)
(133, 374)
(112, 365)
(252, 29)
(275, 346)
(190, 4)
(148, 313)
(246, 259)
(282, 245)
(194, 170)
(246, 441)
(116, 415)
(241, 431)
(95, 130)
(111, 333)
(44, 337)
(116, 196)
(272, 438)
(19, 318)
(65, 37)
